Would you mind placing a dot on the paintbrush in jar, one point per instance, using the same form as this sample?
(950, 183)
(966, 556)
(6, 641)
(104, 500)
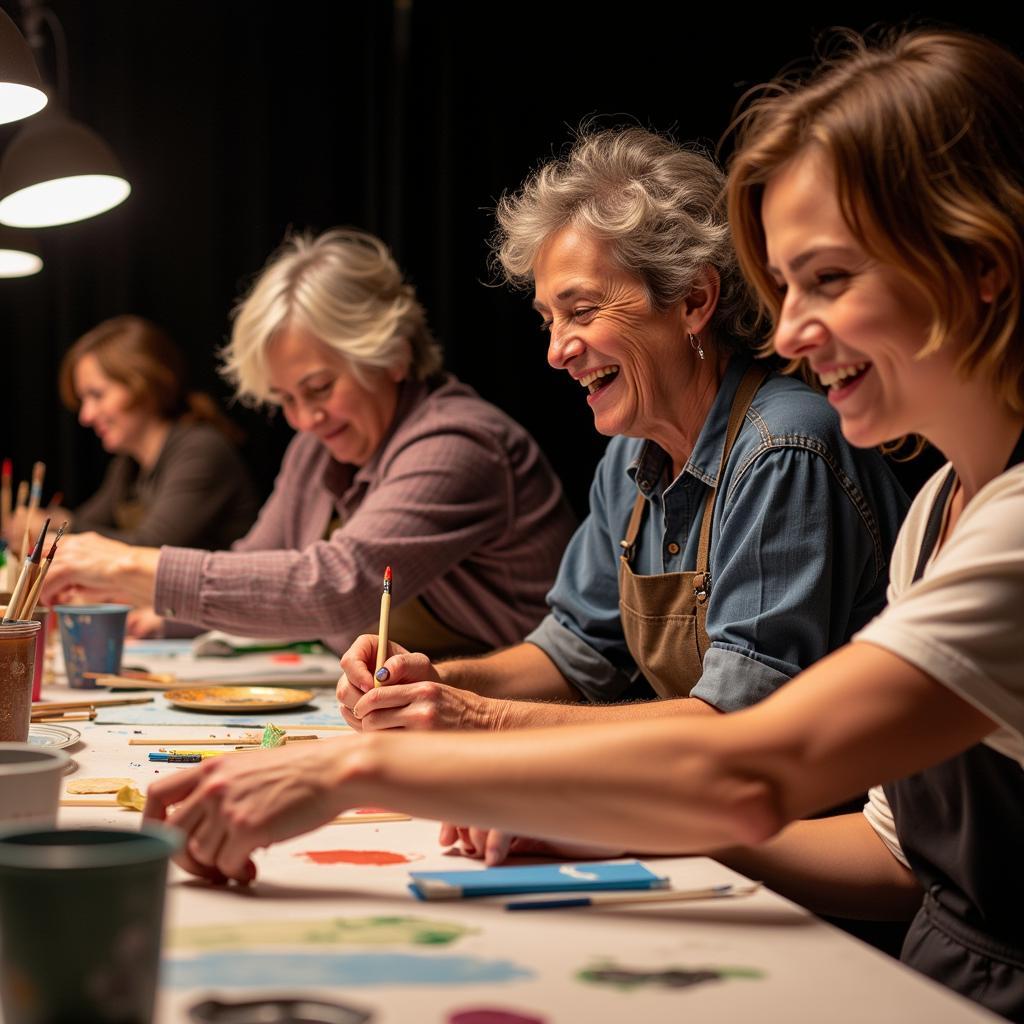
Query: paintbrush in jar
(33, 595)
(27, 577)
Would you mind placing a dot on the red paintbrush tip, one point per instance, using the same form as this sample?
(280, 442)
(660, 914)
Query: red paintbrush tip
(387, 573)
(8, 468)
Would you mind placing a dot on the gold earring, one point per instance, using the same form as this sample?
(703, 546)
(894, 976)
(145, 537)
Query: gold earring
(695, 344)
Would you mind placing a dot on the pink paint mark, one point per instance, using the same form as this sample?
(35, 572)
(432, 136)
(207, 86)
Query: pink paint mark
(286, 659)
(376, 857)
(490, 1015)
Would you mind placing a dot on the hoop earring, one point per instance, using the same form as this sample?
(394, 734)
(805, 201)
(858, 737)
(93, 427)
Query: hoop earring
(695, 344)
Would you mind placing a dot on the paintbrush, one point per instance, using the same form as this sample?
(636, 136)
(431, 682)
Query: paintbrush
(382, 631)
(713, 892)
(33, 595)
(35, 497)
(71, 705)
(131, 676)
(5, 494)
(26, 577)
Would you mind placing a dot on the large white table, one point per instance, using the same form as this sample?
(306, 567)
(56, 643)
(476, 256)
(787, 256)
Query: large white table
(279, 937)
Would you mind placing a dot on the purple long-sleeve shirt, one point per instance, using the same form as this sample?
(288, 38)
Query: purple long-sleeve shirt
(458, 499)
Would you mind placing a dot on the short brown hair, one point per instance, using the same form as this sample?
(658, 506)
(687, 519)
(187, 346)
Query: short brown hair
(925, 139)
(143, 358)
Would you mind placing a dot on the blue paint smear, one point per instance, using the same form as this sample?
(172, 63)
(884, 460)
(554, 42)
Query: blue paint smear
(249, 970)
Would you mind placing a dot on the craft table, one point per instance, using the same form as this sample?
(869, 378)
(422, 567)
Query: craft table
(317, 921)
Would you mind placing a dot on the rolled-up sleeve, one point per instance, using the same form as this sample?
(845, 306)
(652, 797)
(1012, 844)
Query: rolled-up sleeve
(583, 634)
(782, 589)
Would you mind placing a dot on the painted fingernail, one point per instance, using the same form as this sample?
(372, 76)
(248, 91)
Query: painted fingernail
(383, 675)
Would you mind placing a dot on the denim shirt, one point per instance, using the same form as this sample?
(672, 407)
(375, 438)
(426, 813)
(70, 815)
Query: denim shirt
(803, 528)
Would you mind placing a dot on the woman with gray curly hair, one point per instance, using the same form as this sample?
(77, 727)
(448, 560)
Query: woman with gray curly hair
(734, 538)
(393, 462)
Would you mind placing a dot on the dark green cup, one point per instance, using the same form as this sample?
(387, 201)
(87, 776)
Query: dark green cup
(81, 914)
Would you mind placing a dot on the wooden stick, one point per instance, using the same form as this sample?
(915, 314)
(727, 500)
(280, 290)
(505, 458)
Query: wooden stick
(209, 741)
(96, 802)
(71, 705)
(130, 676)
(67, 716)
(358, 819)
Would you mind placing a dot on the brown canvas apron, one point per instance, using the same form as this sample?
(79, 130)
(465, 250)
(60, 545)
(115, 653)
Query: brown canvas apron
(664, 615)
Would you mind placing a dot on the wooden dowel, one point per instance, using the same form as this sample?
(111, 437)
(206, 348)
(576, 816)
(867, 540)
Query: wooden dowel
(210, 741)
(71, 705)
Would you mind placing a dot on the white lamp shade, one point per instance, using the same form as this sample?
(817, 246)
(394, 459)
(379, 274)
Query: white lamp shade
(19, 254)
(21, 91)
(56, 171)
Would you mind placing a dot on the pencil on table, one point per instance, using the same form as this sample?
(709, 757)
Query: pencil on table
(382, 631)
(33, 595)
(35, 497)
(26, 578)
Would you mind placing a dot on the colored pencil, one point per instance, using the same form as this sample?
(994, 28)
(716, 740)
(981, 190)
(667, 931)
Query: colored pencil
(382, 631)
(714, 892)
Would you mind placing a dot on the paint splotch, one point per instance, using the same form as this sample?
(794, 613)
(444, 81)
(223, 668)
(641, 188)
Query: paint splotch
(375, 857)
(492, 1015)
(335, 931)
(667, 977)
(297, 970)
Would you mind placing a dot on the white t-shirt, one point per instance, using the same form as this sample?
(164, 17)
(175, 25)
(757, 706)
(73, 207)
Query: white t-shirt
(963, 622)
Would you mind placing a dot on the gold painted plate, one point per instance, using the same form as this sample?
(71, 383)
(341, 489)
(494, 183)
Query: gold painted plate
(238, 698)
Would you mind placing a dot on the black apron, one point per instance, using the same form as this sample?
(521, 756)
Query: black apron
(961, 826)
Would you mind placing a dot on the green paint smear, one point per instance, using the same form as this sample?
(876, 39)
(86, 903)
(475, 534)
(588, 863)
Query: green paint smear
(627, 979)
(338, 931)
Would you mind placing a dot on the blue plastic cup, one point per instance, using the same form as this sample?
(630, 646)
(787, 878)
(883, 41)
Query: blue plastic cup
(92, 636)
(81, 915)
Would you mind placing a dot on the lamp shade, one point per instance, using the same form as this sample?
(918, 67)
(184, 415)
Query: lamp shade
(21, 90)
(19, 254)
(56, 171)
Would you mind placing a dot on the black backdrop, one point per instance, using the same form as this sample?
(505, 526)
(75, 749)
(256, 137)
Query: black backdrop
(236, 120)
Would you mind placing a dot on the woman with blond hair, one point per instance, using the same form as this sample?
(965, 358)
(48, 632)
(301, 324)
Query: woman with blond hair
(176, 476)
(393, 462)
(879, 210)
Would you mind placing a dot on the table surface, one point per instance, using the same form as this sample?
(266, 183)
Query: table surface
(351, 931)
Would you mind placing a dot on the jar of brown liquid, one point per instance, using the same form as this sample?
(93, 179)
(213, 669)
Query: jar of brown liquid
(17, 662)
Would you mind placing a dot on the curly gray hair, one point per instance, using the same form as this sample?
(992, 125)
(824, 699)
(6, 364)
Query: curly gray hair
(658, 205)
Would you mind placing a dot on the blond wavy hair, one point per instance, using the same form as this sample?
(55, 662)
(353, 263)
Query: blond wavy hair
(657, 205)
(923, 134)
(345, 288)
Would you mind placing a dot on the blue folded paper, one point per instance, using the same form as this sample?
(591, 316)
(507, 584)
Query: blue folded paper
(455, 885)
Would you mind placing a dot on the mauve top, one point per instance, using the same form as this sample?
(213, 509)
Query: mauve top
(458, 499)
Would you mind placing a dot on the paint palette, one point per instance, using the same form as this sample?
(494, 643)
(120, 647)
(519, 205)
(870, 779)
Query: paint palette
(238, 698)
(43, 735)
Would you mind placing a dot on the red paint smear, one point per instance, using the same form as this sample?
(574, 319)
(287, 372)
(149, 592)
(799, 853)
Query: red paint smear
(487, 1015)
(377, 857)
(286, 659)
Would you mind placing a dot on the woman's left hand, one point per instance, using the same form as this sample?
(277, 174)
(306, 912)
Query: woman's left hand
(232, 805)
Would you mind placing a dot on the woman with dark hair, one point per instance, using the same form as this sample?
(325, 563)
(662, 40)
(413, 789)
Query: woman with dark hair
(176, 476)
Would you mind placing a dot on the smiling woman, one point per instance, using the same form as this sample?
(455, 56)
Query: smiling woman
(393, 462)
(176, 476)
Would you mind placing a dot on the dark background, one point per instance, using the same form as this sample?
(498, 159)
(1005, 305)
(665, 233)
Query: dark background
(236, 120)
